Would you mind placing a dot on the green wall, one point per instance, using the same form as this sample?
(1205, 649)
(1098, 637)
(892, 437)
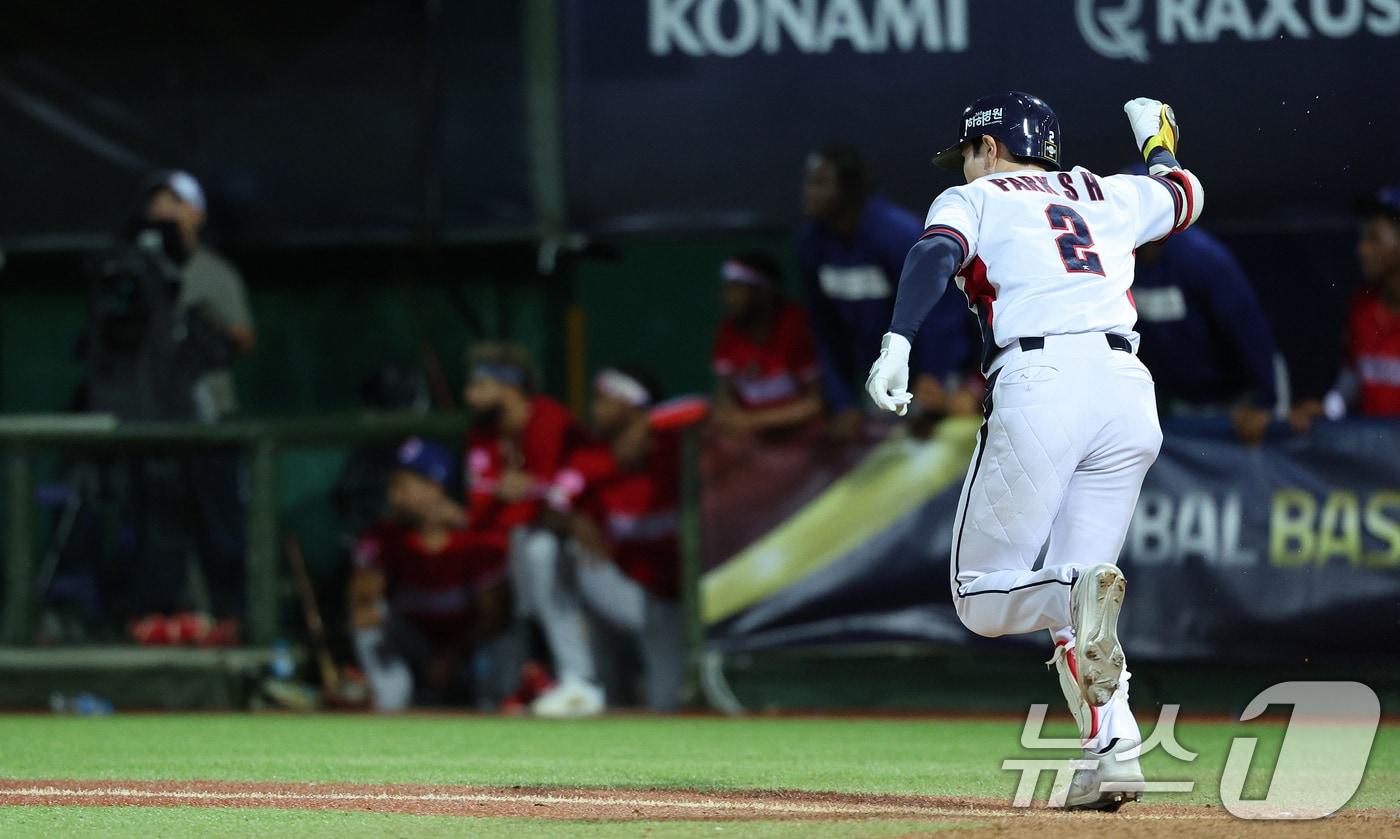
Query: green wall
(325, 320)
(39, 327)
(657, 304)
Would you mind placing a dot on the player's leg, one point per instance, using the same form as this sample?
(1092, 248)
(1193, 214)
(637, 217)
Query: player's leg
(537, 568)
(1088, 534)
(383, 653)
(664, 653)
(1099, 726)
(1095, 513)
(1100, 498)
(1026, 454)
(1109, 735)
(610, 594)
(1086, 539)
(657, 625)
(496, 664)
(614, 613)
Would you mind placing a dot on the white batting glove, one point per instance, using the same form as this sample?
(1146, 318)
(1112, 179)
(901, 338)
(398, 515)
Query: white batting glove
(888, 384)
(1153, 123)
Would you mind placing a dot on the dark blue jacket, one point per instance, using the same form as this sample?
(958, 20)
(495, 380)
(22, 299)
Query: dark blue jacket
(850, 288)
(1204, 336)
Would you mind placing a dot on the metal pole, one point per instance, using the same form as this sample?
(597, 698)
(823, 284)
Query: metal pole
(544, 116)
(262, 544)
(691, 558)
(19, 564)
(544, 147)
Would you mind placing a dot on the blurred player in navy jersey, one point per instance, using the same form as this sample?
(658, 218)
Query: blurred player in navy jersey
(851, 252)
(1204, 335)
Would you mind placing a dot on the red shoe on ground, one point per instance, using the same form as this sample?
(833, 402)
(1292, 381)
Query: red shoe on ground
(190, 627)
(534, 681)
(151, 630)
(223, 633)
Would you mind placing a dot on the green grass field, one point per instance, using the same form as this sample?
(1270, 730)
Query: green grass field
(865, 756)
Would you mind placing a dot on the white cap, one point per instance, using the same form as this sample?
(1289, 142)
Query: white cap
(185, 187)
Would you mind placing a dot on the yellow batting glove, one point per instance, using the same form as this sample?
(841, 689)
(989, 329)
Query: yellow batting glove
(1166, 136)
(1154, 125)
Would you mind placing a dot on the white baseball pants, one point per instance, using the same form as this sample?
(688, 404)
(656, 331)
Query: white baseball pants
(570, 590)
(1069, 434)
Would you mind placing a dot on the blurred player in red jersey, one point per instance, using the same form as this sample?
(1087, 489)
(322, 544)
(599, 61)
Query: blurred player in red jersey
(616, 499)
(1370, 381)
(765, 364)
(424, 592)
(516, 446)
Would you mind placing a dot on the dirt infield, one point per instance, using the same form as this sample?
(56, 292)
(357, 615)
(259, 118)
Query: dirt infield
(984, 816)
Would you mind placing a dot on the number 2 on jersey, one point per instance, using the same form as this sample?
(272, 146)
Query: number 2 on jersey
(1075, 242)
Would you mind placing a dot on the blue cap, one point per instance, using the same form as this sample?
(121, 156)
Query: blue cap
(1383, 202)
(427, 459)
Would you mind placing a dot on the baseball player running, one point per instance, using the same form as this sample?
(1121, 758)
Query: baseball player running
(1045, 258)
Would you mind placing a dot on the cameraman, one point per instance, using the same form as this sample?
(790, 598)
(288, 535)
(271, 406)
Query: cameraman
(212, 300)
(168, 318)
(208, 282)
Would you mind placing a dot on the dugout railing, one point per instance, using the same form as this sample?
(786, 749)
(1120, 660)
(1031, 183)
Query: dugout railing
(24, 437)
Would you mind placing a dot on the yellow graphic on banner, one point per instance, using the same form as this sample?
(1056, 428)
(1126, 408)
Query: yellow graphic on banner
(896, 477)
(1338, 527)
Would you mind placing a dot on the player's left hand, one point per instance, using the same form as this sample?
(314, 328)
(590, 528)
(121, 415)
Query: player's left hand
(888, 384)
(1153, 123)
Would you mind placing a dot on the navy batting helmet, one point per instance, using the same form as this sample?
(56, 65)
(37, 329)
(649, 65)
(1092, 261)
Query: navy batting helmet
(1023, 122)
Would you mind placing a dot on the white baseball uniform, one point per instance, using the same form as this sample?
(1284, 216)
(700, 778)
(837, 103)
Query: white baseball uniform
(1071, 419)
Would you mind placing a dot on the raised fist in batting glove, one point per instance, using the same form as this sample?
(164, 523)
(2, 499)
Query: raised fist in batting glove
(888, 384)
(1154, 125)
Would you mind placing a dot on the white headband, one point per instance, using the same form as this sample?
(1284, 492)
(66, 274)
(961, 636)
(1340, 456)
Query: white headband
(734, 271)
(186, 188)
(619, 385)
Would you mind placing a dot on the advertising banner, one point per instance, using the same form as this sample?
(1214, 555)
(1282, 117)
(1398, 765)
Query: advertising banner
(1288, 550)
(699, 113)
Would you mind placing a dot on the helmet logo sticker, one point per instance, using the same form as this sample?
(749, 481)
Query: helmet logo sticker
(982, 118)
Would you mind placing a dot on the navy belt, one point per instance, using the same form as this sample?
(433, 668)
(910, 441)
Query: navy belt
(1115, 342)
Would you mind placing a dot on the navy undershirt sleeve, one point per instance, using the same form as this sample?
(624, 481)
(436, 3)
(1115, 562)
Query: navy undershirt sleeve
(927, 269)
(1161, 156)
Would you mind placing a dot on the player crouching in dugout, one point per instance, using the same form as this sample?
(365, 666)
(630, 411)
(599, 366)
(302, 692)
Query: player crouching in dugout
(613, 580)
(427, 598)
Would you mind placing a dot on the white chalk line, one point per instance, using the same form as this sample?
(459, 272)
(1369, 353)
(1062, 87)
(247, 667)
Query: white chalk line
(546, 799)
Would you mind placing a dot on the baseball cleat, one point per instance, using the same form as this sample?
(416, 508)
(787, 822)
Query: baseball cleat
(570, 699)
(1116, 781)
(1086, 715)
(1095, 601)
